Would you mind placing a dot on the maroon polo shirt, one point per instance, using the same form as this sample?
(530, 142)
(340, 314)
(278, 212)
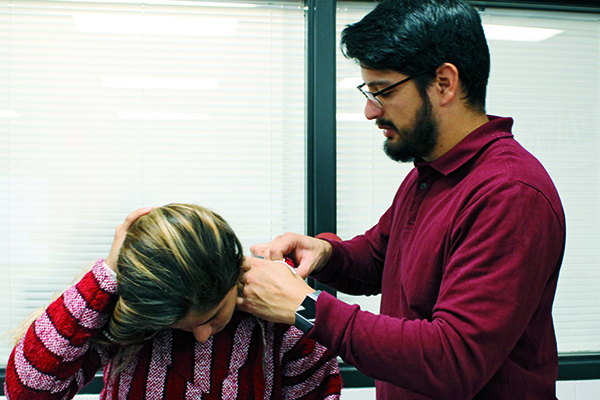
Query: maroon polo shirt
(467, 261)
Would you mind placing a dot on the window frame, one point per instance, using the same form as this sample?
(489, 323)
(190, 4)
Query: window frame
(321, 148)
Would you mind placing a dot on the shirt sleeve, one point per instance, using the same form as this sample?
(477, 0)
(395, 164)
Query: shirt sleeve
(56, 358)
(309, 370)
(495, 297)
(356, 266)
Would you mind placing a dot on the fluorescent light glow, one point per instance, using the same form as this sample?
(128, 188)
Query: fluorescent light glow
(146, 25)
(518, 33)
(203, 4)
(159, 115)
(350, 117)
(350, 83)
(9, 114)
(132, 82)
(171, 2)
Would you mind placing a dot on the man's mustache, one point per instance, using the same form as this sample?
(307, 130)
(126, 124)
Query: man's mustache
(385, 123)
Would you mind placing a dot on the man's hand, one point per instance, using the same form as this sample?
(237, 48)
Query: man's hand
(271, 290)
(308, 253)
(120, 233)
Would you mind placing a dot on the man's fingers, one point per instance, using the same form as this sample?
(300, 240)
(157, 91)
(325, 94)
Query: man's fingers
(246, 265)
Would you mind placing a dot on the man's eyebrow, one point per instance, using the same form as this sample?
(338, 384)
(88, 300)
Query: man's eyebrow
(380, 82)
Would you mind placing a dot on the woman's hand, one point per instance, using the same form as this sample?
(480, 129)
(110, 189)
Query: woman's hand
(120, 233)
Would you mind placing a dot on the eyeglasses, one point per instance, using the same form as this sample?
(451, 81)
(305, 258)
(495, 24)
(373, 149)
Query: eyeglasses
(372, 96)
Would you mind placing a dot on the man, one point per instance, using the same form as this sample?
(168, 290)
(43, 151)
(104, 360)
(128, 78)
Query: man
(468, 255)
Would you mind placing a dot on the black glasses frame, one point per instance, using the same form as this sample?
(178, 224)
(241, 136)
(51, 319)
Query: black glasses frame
(372, 96)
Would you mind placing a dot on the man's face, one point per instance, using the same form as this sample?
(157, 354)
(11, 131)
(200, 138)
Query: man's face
(406, 117)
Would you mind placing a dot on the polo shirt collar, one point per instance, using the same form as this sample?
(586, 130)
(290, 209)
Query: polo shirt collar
(497, 127)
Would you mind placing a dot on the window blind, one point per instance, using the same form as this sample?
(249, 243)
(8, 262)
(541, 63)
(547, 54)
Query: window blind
(109, 106)
(545, 74)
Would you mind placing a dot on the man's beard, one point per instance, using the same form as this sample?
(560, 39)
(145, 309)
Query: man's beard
(417, 141)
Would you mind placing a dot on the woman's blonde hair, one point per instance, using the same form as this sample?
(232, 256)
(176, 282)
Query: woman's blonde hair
(177, 259)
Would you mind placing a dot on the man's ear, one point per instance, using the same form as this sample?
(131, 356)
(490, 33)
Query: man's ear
(447, 84)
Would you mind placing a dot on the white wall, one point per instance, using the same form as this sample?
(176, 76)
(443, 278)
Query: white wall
(578, 390)
(565, 390)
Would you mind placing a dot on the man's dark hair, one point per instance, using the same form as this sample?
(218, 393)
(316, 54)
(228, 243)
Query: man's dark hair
(412, 36)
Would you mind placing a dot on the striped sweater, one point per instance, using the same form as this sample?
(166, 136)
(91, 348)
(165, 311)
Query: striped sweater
(249, 359)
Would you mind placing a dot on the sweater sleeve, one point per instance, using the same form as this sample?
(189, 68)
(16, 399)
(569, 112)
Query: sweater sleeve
(309, 370)
(56, 358)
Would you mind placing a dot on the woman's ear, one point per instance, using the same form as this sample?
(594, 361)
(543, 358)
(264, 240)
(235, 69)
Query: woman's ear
(447, 84)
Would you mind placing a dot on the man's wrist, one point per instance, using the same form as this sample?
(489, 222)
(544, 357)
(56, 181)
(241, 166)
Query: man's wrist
(325, 254)
(306, 312)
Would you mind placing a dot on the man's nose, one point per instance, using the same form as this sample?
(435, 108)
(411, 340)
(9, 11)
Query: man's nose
(372, 111)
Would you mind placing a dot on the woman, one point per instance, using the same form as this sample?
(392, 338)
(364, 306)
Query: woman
(159, 316)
